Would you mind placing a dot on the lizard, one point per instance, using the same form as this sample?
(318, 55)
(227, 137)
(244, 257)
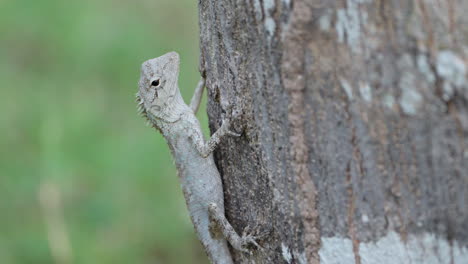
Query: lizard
(160, 101)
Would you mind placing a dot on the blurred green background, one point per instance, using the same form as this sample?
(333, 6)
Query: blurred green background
(82, 179)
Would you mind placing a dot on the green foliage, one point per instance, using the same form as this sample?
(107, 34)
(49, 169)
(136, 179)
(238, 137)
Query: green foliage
(68, 75)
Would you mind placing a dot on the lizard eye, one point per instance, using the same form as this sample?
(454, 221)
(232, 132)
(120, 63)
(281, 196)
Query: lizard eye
(155, 83)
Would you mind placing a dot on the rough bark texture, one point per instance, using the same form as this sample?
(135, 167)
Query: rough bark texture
(355, 120)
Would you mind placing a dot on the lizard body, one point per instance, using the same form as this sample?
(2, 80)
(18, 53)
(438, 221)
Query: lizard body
(160, 102)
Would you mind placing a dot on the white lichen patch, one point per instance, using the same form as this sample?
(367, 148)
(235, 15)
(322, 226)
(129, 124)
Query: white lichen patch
(452, 70)
(348, 27)
(336, 250)
(301, 258)
(365, 91)
(268, 5)
(286, 252)
(411, 99)
(449, 66)
(418, 249)
(424, 68)
(270, 24)
(388, 100)
(277, 195)
(347, 88)
(349, 23)
(365, 218)
(258, 9)
(325, 22)
(447, 91)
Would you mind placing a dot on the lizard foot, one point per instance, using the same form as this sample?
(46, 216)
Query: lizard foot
(245, 243)
(248, 241)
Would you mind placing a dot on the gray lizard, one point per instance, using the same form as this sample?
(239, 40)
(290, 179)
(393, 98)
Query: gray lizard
(159, 100)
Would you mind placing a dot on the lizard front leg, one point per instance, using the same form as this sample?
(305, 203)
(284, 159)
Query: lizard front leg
(205, 149)
(218, 219)
(197, 95)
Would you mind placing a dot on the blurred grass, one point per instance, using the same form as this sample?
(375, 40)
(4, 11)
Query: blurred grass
(68, 75)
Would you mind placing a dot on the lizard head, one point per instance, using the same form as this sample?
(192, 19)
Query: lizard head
(158, 83)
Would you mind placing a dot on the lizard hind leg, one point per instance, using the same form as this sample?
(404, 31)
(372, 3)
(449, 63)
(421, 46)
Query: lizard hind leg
(218, 219)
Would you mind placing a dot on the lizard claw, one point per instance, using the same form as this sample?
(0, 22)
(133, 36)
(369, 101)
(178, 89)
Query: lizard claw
(247, 240)
(226, 127)
(234, 134)
(250, 240)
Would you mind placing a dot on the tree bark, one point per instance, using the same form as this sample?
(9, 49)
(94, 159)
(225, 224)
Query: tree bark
(355, 120)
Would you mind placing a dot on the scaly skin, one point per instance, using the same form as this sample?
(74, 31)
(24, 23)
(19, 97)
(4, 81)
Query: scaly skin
(160, 102)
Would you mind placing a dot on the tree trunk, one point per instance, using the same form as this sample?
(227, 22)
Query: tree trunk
(355, 121)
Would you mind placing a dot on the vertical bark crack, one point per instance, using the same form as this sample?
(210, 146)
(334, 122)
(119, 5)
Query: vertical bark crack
(293, 76)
